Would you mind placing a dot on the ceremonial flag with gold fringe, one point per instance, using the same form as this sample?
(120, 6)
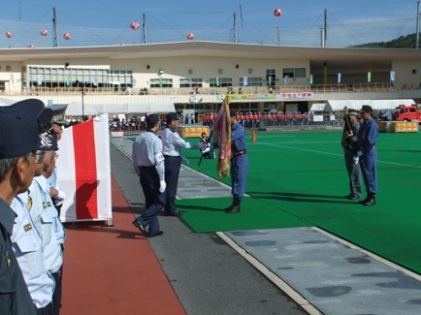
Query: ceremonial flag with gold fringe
(222, 130)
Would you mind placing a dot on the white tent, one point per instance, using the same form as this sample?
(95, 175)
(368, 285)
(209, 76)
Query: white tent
(375, 104)
(321, 107)
(75, 108)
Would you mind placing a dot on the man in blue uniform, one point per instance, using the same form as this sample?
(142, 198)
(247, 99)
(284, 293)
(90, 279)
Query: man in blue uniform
(19, 128)
(239, 163)
(367, 139)
(148, 163)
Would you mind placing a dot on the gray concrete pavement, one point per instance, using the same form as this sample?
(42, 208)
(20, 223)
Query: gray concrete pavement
(209, 277)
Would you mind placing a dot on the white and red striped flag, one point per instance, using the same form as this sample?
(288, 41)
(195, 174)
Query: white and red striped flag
(84, 171)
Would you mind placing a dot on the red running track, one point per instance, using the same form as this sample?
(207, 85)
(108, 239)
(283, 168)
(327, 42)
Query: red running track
(113, 270)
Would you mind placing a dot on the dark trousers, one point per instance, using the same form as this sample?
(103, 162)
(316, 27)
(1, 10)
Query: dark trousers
(154, 200)
(353, 174)
(172, 171)
(239, 169)
(369, 169)
(57, 291)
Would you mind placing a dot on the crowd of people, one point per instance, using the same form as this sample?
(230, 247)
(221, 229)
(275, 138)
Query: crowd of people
(254, 119)
(248, 119)
(32, 236)
(135, 123)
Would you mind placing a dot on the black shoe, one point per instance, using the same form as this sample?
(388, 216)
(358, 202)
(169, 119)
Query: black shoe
(369, 201)
(141, 227)
(233, 209)
(173, 214)
(352, 197)
(156, 234)
(228, 209)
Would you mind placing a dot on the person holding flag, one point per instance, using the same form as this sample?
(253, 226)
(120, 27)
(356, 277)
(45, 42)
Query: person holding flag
(232, 157)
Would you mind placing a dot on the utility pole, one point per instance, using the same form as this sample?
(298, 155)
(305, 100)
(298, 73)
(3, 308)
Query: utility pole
(83, 102)
(325, 30)
(417, 43)
(144, 28)
(235, 28)
(54, 28)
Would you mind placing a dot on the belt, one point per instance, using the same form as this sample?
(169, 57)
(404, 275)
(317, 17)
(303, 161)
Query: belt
(171, 156)
(146, 167)
(238, 153)
(45, 310)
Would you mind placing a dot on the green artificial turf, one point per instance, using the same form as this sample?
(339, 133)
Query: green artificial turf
(299, 179)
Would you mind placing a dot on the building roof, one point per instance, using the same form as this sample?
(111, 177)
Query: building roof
(344, 56)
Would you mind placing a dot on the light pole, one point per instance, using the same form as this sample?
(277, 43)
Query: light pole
(83, 103)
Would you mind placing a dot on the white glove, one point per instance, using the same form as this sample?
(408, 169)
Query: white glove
(356, 159)
(162, 186)
(206, 149)
(184, 160)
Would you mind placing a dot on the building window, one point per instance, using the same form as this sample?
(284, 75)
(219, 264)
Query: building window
(270, 77)
(52, 77)
(220, 82)
(251, 81)
(300, 72)
(191, 82)
(294, 72)
(161, 83)
(288, 72)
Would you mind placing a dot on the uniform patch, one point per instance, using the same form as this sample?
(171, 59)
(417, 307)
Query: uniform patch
(29, 203)
(27, 227)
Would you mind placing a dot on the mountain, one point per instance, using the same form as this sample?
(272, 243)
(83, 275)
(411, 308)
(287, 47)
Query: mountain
(407, 41)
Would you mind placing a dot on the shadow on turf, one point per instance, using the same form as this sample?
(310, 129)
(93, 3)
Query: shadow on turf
(200, 207)
(294, 197)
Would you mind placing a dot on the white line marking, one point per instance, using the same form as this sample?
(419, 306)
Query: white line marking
(372, 255)
(333, 154)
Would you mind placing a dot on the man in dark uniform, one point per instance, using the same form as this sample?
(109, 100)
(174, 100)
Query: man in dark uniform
(19, 128)
(349, 143)
(148, 163)
(239, 163)
(367, 139)
(172, 143)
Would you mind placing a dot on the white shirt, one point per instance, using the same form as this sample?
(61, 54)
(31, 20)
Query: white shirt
(172, 142)
(27, 245)
(45, 217)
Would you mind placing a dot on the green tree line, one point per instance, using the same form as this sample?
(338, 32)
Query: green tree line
(408, 41)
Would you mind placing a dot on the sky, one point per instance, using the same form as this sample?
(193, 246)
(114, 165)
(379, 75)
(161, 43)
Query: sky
(107, 22)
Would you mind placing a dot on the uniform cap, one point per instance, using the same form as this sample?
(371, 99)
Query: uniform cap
(152, 119)
(233, 112)
(172, 116)
(352, 112)
(47, 142)
(366, 109)
(20, 124)
(60, 122)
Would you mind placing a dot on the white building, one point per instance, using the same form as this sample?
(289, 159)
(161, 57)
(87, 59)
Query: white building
(196, 75)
